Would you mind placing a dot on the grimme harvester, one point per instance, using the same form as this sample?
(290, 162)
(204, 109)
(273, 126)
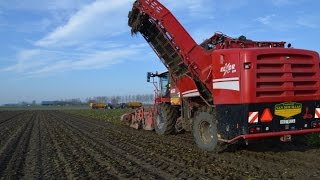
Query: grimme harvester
(225, 89)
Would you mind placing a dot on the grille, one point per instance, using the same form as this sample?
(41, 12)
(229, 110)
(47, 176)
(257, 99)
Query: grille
(282, 75)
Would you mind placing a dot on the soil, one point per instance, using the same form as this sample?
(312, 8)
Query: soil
(56, 145)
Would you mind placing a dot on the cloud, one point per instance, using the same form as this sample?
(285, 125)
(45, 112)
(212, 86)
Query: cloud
(98, 60)
(85, 41)
(281, 23)
(194, 8)
(2, 19)
(28, 60)
(37, 5)
(31, 27)
(63, 4)
(34, 16)
(274, 22)
(41, 62)
(265, 19)
(309, 21)
(104, 59)
(281, 3)
(101, 18)
(198, 8)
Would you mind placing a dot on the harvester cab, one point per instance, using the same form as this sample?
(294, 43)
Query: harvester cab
(163, 113)
(162, 85)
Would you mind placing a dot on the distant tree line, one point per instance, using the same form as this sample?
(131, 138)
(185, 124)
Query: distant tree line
(144, 98)
(65, 102)
(114, 100)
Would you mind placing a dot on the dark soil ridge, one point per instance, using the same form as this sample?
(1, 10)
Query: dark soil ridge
(56, 145)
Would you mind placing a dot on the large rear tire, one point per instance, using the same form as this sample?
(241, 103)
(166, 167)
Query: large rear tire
(166, 119)
(205, 132)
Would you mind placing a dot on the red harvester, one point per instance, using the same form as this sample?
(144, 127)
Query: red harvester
(225, 89)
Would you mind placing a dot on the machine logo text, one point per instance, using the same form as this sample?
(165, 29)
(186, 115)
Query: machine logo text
(228, 68)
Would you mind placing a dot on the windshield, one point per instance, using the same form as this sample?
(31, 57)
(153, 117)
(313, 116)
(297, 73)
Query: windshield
(164, 85)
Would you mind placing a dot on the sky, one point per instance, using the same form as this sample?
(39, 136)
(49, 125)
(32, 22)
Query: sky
(62, 49)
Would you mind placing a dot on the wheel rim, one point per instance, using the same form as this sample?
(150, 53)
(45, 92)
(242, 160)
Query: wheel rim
(206, 132)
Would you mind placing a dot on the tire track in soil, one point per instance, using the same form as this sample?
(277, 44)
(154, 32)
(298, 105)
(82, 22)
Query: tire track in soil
(171, 149)
(74, 153)
(7, 116)
(53, 144)
(171, 153)
(41, 156)
(9, 128)
(63, 159)
(238, 164)
(140, 156)
(287, 160)
(169, 158)
(291, 162)
(124, 166)
(12, 157)
(33, 169)
(53, 162)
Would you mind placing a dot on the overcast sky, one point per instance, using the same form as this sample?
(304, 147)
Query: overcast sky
(53, 50)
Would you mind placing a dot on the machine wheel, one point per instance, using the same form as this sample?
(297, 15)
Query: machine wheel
(166, 119)
(205, 131)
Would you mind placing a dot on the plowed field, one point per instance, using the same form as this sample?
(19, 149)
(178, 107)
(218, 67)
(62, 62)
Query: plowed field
(56, 145)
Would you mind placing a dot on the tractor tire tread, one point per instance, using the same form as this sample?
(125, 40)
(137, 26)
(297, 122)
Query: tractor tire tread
(171, 114)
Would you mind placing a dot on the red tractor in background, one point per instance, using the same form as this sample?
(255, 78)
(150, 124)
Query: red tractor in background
(144, 117)
(225, 89)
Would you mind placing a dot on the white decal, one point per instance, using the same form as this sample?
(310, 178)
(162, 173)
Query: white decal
(227, 83)
(228, 68)
(191, 93)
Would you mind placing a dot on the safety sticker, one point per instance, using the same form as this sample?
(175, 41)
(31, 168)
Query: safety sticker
(266, 116)
(253, 117)
(288, 109)
(317, 113)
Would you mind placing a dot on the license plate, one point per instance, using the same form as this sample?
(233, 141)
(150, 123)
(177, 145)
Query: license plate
(288, 121)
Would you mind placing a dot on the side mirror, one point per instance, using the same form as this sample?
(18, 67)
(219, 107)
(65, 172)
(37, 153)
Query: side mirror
(148, 76)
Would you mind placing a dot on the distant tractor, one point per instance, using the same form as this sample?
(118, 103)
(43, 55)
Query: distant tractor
(99, 105)
(133, 104)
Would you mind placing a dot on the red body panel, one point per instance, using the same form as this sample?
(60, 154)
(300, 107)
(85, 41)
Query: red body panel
(226, 76)
(187, 87)
(280, 75)
(274, 75)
